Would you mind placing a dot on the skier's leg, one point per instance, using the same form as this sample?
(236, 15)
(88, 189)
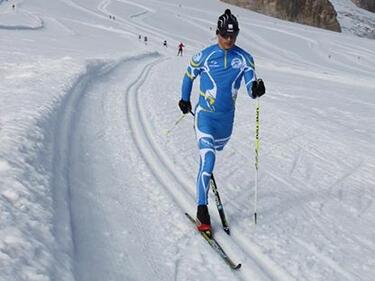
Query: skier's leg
(207, 162)
(204, 130)
(213, 133)
(223, 130)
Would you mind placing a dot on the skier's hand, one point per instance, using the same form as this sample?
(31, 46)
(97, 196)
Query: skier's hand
(185, 106)
(258, 89)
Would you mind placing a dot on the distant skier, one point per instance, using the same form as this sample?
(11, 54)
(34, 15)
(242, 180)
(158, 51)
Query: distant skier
(221, 68)
(165, 44)
(180, 49)
(145, 40)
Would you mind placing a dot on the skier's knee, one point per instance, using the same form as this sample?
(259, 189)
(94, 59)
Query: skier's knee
(209, 161)
(206, 143)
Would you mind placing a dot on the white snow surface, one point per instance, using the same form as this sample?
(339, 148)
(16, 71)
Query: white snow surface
(92, 187)
(354, 20)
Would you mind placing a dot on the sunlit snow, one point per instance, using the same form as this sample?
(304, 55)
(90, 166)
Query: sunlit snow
(92, 187)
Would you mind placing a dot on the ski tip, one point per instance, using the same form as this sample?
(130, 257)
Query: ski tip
(236, 267)
(227, 231)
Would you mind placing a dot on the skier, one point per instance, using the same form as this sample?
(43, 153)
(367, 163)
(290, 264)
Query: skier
(221, 68)
(165, 44)
(180, 49)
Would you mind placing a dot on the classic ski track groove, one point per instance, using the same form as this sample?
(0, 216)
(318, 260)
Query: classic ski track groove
(156, 155)
(64, 138)
(162, 168)
(154, 159)
(138, 24)
(150, 152)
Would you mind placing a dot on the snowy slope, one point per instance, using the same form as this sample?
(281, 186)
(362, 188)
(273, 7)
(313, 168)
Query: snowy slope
(92, 188)
(355, 20)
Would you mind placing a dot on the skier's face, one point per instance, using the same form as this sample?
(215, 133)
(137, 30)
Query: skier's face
(226, 41)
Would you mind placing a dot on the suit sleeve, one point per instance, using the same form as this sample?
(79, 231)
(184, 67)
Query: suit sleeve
(193, 70)
(249, 74)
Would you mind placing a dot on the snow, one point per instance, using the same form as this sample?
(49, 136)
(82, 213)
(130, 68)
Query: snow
(355, 20)
(93, 188)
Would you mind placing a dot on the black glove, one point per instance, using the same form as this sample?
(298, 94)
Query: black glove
(258, 89)
(185, 106)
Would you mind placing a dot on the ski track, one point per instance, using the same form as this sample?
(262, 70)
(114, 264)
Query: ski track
(68, 142)
(74, 5)
(155, 158)
(64, 226)
(136, 22)
(177, 181)
(164, 170)
(104, 7)
(146, 146)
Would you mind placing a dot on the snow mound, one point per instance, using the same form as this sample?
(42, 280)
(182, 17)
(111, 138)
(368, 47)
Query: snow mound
(26, 206)
(20, 19)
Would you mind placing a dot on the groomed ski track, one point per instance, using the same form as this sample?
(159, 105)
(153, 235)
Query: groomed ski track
(104, 108)
(110, 156)
(182, 188)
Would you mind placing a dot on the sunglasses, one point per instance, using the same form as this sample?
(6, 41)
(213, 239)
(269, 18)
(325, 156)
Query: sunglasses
(226, 34)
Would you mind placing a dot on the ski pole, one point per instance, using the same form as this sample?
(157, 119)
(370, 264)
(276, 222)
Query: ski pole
(175, 124)
(257, 124)
(219, 205)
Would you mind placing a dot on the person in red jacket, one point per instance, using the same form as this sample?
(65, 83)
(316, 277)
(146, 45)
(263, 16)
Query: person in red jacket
(180, 49)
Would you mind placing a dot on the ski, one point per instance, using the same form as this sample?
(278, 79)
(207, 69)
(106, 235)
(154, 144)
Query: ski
(216, 246)
(219, 205)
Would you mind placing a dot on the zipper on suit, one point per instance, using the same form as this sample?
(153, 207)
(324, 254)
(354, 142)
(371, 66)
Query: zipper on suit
(225, 58)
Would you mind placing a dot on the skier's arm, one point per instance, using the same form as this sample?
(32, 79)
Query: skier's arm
(249, 75)
(255, 87)
(187, 85)
(191, 73)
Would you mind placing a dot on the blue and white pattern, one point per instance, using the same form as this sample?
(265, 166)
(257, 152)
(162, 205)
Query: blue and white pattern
(221, 72)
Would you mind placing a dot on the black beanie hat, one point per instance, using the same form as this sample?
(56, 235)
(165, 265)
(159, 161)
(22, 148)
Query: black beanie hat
(227, 23)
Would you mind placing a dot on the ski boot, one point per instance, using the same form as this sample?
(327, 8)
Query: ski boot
(203, 220)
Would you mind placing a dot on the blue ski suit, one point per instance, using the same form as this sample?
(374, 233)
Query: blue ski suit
(221, 72)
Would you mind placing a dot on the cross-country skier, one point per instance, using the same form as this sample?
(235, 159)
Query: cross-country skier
(180, 49)
(221, 68)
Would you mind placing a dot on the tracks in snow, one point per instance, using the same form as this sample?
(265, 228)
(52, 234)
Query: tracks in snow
(177, 185)
(159, 165)
(256, 264)
(84, 175)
